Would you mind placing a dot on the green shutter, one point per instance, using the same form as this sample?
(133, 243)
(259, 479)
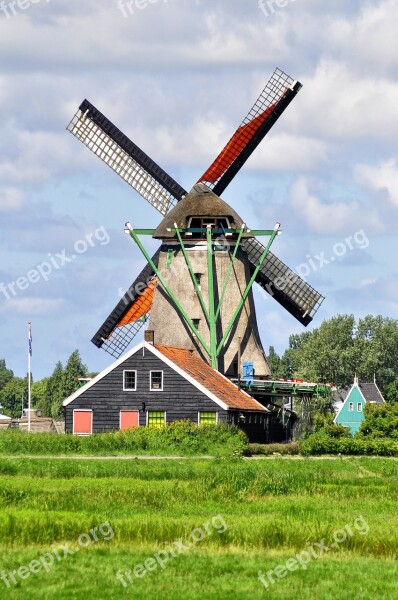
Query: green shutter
(156, 419)
(207, 418)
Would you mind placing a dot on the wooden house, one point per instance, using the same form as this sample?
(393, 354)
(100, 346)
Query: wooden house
(351, 412)
(152, 385)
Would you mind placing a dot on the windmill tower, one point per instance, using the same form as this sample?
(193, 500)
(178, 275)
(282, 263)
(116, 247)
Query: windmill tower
(197, 218)
(204, 301)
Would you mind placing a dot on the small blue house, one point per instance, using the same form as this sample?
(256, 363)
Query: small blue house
(351, 413)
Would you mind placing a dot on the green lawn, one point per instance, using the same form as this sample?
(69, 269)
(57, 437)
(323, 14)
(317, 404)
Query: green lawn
(233, 517)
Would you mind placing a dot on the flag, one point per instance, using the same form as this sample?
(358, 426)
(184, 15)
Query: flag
(30, 339)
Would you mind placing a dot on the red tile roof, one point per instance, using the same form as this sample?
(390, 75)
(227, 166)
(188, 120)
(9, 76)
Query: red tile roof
(212, 380)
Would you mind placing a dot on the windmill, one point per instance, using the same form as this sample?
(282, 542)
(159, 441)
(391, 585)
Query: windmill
(203, 215)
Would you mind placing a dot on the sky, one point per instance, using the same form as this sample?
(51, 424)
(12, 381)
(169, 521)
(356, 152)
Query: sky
(178, 76)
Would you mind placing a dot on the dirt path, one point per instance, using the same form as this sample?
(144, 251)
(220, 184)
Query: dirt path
(143, 457)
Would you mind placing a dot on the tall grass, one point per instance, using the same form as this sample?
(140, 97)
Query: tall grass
(272, 508)
(266, 504)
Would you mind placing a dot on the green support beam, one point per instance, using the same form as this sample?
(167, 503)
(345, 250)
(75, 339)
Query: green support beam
(166, 288)
(231, 265)
(145, 231)
(248, 288)
(212, 317)
(192, 274)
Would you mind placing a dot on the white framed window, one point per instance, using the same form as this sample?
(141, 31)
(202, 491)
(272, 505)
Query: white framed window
(351, 407)
(129, 381)
(359, 407)
(156, 381)
(207, 418)
(156, 418)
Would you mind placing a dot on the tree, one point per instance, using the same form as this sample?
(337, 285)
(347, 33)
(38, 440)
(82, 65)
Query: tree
(53, 393)
(5, 374)
(73, 370)
(341, 348)
(376, 345)
(326, 354)
(274, 362)
(391, 391)
(39, 395)
(381, 421)
(11, 396)
(63, 382)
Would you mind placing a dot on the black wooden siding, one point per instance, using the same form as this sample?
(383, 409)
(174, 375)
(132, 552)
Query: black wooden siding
(179, 398)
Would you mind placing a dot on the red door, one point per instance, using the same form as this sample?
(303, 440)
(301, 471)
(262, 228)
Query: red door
(128, 419)
(82, 422)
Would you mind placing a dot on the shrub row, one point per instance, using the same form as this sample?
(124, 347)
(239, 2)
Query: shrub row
(180, 438)
(270, 449)
(320, 443)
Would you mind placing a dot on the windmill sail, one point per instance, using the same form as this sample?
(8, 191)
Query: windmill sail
(273, 100)
(129, 315)
(131, 163)
(284, 285)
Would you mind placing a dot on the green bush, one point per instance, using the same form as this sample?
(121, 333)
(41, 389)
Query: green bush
(320, 443)
(269, 449)
(180, 437)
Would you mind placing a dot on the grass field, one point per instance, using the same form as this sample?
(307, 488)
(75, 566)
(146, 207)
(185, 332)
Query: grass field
(223, 519)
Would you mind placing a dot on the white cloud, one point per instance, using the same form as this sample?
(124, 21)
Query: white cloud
(328, 218)
(381, 177)
(34, 157)
(30, 307)
(370, 37)
(376, 294)
(342, 104)
(285, 152)
(275, 328)
(11, 199)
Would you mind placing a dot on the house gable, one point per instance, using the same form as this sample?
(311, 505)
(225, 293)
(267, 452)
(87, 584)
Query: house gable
(351, 413)
(195, 371)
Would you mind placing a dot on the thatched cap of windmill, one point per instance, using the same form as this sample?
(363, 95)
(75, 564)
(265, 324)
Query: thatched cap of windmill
(200, 207)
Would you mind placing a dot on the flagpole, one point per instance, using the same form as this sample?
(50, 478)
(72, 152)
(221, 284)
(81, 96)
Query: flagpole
(29, 378)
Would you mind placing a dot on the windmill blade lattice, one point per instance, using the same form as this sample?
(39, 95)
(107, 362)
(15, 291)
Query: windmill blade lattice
(119, 329)
(272, 102)
(124, 157)
(284, 285)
